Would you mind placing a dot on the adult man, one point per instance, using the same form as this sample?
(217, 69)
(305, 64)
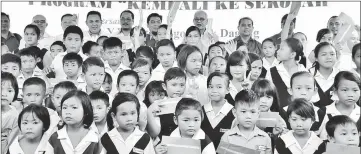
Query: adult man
(334, 24)
(126, 23)
(94, 23)
(245, 29)
(200, 20)
(11, 40)
(66, 21)
(277, 37)
(154, 20)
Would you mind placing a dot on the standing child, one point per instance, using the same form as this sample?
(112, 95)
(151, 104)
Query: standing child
(269, 50)
(33, 122)
(74, 136)
(100, 104)
(218, 115)
(91, 49)
(323, 35)
(356, 55)
(188, 116)
(107, 84)
(124, 135)
(59, 91)
(217, 64)
(246, 133)
(347, 89)
(290, 52)
(55, 48)
(153, 92)
(72, 63)
(324, 72)
(341, 129)
(167, 58)
(144, 70)
(300, 139)
(190, 60)
(93, 73)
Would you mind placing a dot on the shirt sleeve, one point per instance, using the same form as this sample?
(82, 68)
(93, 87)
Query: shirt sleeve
(209, 149)
(268, 145)
(322, 130)
(150, 148)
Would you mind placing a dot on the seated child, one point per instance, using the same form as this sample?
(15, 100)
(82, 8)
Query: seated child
(93, 74)
(72, 63)
(217, 64)
(188, 116)
(246, 133)
(100, 103)
(91, 48)
(153, 92)
(342, 129)
(107, 84)
(124, 136)
(144, 70)
(55, 48)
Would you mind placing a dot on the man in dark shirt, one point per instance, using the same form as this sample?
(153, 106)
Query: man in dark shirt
(154, 20)
(277, 37)
(245, 29)
(11, 40)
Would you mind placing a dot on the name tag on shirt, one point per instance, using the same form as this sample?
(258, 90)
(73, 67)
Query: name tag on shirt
(223, 130)
(228, 148)
(136, 150)
(333, 148)
(267, 119)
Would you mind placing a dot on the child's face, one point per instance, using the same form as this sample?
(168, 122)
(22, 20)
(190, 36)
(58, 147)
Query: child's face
(57, 96)
(12, 68)
(256, 70)
(194, 63)
(95, 51)
(162, 34)
(153, 96)
(348, 92)
(217, 65)
(175, 87)
(72, 111)
(30, 36)
(128, 84)
(31, 126)
(141, 38)
(143, 73)
(126, 116)
(193, 38)
(107, 87)
(189, 122)
(285, 52)
(238, 71)
(73, 42)
(215, 51)
(33, 94)
(266, 102)
(94, 77)
(243, 48)
(327, 57)
(300, 125)
(247, 115)
(28, 63)
(113, 55)
(166, 56)
(346, 135)
(303, 87)
(357, 58)
(71, 68)
(100, 110)
(55, 50)
(301, 38)
(217, 89)
(100, 41)
(7, 93)
(268, 49)
(327, 38)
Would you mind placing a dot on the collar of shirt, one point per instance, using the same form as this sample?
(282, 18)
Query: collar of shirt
(16, 148)
(268, 64)
(95, 128)
(197, 136)
(224, 110)
(116, 135)
(284, 74)
(256, 132)
(36, 73)
(240, 41)
(331, 109)
(160, 68)
(320, 76)
(90, 137)
(290, 140)
(121, 67)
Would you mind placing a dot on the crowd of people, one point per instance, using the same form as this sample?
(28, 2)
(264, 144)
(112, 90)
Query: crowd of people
(91, 92)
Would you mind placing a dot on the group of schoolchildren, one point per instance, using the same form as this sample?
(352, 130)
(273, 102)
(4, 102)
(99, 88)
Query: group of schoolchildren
(99, 98)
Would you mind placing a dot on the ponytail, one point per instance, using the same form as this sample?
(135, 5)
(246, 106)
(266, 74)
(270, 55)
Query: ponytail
(303, 61)
(110, 122)
(316, 65)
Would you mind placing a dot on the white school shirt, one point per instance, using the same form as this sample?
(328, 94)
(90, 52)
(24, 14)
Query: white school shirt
(209, 149)
(127, 42)
(202, 91)
(15, 147)
(159, 72)
(63, 136)
(36, 73)
(215, 118)
(82, 87)
(233, 90)
(324, 83)
(114, 75)
(95, 128)
(54, 120)
(286, 78)
(267, 65)
(57, 64)
(354, 71)
(93, 37)
(126, 146)
(44, 42)
(332, 110)
(291, 143)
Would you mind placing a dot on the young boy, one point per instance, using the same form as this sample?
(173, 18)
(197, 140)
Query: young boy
(166, 55)
(218, 115)
(147, 53)
(11, 63)
(246, 133)
(59, 91)
(174, 84)
(144, 71)
(93, 73)
(91, 48)
(341, 129)
(72, 63)
(100, 104)
(188, 116)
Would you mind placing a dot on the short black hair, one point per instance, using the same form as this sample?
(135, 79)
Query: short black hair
(301, 107)
(11, 58)
(35, 81)
(6, 76)
(66, 15)
(6, 15)
(174, 73)
(335, 121)
(269, 40)
(60, 43)
(153, 87)
(300, 33)
(214, 45)
(36, 29)
(100, 37)
(112, 42)
(165, 26)
(154, 15)
(142, 31)
(40, 111)
(87, 46)
(355, 48)
(188, 104)
(145, 51)
(284, 18)
(140, 62)
(301, 73)
(263, 87)
(67, 85)
(244, 18)
(91, 61)
(248, 97)
(108, 78)
(218, 74)
(235, 59)
(99, 95)
(184, 54)
(29, 52)
(321, 33)
(94, 13)
(346, 75)
(128, 11)
(72, 56)
(128, 73)
(75, 30)
(191, 29)
(164, 42)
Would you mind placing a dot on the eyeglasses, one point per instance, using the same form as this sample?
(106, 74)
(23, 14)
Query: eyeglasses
(39, 21)
(126, 19)
(199, 19)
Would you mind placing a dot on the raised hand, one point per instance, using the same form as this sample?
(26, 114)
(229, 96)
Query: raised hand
(230, 46)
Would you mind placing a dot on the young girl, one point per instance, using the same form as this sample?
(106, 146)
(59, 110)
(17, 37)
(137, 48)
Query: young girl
(237, 65)
(218, 115)
(190, 60)
(74, 135)
(269, 50)
(290, 52)
(34, 121)
(356, 55)
(154, 91)
(107, 84)
(300, 139)
(256, 71)
(217, 64)
(213, 51)
(162, 32)
(324, 71)
(124, 136)
(9, 114)
(323, 35)
(347, 89)
(193, 37)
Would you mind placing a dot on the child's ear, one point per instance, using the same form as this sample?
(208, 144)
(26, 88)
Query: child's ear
(234, 111)
(164, 86)
(290, 91)
(175, 120)
(38, 60)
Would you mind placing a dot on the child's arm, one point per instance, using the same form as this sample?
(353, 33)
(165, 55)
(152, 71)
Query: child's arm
(153, 127)
(150, 148)
(286, 27)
